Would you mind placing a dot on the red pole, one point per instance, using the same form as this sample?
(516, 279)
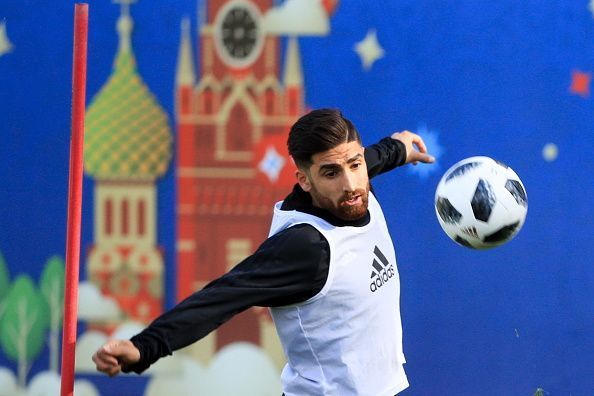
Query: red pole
(79, 76)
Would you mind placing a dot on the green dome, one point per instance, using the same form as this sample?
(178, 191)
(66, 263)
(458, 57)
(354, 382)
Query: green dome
(127, 133)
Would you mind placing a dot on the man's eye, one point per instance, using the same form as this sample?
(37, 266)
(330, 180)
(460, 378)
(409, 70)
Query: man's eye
(330, 174)
(356, 165)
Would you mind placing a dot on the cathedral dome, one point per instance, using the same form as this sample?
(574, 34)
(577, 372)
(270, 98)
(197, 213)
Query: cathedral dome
(127, 133)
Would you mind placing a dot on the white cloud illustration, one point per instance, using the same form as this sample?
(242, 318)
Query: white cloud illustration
(86, 345)
(188, 378)
(126, 330)
(253, 371)
(254, 374)
(44, 383)
(47, 383)
(85, 388)
(8, 386)
(94, 306)
(297, 18)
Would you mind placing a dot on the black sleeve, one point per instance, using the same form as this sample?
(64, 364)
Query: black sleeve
(287, 268)
(384, 156)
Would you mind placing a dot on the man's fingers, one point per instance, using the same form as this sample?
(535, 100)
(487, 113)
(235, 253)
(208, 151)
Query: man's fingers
(115, 353)
(108, 369)
(117, 348)
(105, 361)
(114, 371)
(124, 350)
(422, 157)
(415, 147)
(101, 356)
(425, 158)
(104, 366)
(418, 141)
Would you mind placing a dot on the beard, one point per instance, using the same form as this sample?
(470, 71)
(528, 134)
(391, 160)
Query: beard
(341, 209)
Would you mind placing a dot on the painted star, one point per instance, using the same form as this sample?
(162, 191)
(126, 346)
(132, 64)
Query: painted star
(431, 139)
(580, 83)
(550, 152)
(369, 49)
(272, 164)
(5, 44)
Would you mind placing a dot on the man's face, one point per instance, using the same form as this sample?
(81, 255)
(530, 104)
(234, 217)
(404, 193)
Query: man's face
(337, 181)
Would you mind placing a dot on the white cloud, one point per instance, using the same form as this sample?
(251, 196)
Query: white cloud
(44, 383)
(94, 306)
(8, 386)
(188, 379)
(298, 18)
(126, 330)
(86, 345)
(254, 374)
(85, 388)
(253, 371)
(47, 383)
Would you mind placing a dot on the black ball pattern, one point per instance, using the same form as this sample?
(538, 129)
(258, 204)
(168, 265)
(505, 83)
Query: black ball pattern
(517, 191)
(447, 212)
(483, 201)
(462, 169)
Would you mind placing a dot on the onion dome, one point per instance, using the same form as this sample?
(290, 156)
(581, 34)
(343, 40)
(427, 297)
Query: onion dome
(127, 133)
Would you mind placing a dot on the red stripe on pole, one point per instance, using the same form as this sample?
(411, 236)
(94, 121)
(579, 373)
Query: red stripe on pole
(79, 76)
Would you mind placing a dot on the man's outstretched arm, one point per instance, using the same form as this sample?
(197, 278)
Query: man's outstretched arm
(399, 149)
(288, 268)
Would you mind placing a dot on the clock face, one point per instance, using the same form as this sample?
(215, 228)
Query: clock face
(238, 35)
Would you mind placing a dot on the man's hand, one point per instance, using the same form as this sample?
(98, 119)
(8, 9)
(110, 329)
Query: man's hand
(414, 155)
(115, 354)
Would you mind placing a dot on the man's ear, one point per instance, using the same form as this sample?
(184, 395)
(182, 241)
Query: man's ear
(303, 180)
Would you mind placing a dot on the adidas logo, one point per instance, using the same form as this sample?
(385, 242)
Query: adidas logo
(382, 270)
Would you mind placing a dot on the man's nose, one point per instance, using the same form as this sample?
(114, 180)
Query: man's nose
(349, 183)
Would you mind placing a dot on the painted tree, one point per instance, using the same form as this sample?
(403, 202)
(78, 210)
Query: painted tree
(51, 285)
(23, 325)
(4, 283)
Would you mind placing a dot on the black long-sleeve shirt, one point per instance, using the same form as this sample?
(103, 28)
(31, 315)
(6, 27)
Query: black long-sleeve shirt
(288, 268)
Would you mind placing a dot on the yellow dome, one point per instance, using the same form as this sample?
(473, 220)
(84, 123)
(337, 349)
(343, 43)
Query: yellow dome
(127, 133)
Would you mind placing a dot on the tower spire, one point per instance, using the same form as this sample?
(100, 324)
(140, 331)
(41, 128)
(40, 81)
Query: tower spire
(185, 67)
(202, 14)
(125, 25)
(293, 75)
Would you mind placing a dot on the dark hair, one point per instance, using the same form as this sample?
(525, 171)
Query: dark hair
(318, 131)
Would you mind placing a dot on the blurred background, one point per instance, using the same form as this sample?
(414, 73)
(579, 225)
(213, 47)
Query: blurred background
(185, 154)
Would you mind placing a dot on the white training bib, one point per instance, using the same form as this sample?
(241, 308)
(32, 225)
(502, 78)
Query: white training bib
(347, 339)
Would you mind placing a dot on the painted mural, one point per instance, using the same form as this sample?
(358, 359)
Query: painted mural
(188, 109)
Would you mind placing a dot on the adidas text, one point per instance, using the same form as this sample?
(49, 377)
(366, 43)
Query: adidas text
(382, 278)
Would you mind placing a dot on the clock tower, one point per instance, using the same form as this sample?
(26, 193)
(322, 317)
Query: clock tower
(233, 116)
(238, 34)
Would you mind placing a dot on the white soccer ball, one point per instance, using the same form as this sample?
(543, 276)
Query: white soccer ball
(481, 203)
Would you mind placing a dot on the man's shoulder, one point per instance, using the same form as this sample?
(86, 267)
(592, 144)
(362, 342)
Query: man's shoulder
(299, 234)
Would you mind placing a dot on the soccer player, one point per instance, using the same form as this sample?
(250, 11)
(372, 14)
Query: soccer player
(339, 326)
